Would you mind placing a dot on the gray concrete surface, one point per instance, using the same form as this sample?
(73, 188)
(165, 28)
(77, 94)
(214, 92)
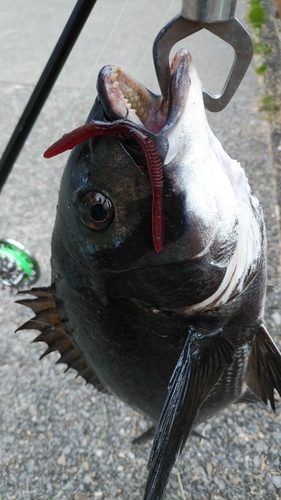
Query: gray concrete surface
(60, 438)
(271, 36)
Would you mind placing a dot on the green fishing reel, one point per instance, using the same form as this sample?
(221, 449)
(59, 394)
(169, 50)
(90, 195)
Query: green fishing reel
(17, 266)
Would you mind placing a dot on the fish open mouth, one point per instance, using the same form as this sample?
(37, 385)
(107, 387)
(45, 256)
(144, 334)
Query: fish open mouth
(136, 113)
(123, 97)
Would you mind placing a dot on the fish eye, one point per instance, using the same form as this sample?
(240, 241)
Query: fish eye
(96, 210)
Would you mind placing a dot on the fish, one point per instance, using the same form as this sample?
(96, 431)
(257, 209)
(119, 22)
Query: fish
(158, 264)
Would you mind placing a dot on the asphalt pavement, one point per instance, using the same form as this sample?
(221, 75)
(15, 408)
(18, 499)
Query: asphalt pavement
(59, 437)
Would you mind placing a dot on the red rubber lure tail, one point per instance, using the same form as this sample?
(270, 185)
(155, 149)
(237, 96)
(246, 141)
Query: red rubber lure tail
(121, 129)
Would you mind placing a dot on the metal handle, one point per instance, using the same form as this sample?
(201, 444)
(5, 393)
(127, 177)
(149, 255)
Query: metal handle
(208, 11)
(231, 32)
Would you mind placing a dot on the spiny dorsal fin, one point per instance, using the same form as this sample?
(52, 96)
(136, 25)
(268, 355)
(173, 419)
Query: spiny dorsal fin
(264, 367)
(48, 322)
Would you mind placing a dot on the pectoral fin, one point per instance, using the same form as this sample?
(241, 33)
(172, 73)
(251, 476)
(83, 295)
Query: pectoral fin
(264, 367)
(201, 364)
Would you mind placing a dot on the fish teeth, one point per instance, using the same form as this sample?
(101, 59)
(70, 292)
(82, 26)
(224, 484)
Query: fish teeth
(114, 74)
(129, 93)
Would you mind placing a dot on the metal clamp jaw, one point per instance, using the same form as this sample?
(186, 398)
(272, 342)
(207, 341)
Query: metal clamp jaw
(217, 16)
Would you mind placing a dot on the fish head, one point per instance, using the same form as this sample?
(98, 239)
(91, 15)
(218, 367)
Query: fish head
(104, 210)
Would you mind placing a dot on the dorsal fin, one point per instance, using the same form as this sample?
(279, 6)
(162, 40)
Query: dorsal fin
(48, 322)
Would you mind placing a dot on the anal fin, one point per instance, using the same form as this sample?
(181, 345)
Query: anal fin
(48, 322)
(201, 364)
(263, 373)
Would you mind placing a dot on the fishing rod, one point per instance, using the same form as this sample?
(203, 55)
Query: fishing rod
(16, 262)
(44, 85)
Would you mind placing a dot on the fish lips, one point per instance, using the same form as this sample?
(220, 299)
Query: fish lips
(123, 97)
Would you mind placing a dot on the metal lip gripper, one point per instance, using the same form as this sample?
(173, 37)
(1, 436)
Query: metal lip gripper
(216, 16)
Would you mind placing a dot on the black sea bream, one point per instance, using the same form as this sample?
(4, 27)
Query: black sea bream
(158, 263)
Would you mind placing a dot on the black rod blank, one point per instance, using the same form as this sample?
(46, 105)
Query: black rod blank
(44, 85)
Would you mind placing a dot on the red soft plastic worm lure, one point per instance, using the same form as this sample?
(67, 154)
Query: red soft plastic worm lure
(121, 129)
